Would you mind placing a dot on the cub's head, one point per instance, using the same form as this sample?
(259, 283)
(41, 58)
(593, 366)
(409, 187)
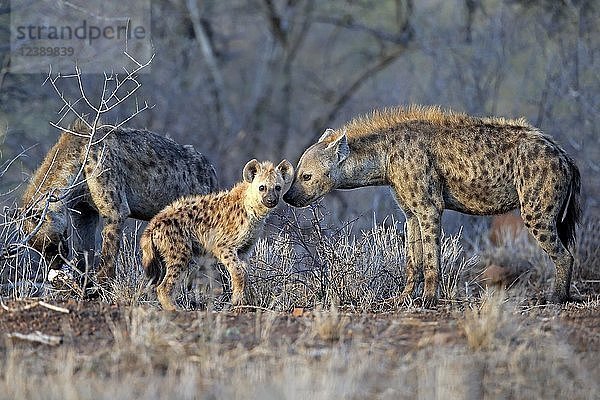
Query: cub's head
(267, 182)
(318, 170)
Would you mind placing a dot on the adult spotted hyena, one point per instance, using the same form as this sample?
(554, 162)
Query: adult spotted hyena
(437, 160)
(223, 225)
(128, 173)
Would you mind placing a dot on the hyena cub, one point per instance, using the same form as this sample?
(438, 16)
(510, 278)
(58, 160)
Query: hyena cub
(224, 225)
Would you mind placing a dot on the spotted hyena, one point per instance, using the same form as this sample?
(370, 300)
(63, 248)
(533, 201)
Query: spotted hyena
(435, 160)
(128, 173)
(223, 225)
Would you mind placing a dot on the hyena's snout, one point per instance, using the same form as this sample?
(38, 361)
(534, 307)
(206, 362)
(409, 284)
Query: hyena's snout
(270, 199)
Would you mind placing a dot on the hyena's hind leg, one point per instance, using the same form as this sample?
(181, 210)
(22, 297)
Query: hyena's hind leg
(176, 257)
(541, 209)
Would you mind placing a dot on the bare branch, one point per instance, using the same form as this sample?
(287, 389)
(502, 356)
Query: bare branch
(353, 87)
(211, 62)
(401, 38)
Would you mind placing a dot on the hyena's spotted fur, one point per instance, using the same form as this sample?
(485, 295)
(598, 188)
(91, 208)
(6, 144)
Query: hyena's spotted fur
(434, 161)
(129, 173)
(223, 225)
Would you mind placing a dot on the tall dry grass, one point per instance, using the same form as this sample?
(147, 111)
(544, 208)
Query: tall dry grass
(497, 349)
(155, 357)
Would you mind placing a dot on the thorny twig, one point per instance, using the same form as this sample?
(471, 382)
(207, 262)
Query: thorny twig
(112, 96)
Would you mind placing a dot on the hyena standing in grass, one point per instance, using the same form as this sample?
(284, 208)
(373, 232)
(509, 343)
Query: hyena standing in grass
(127, 173)
(437, 160)
(223, 225)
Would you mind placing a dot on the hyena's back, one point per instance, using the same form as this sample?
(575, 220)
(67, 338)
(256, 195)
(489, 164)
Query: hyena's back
(488, 167)
(153, 169)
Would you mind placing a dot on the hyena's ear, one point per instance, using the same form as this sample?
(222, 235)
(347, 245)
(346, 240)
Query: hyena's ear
(287, 171)
(340, 147)
(250, 170)
(327, 134)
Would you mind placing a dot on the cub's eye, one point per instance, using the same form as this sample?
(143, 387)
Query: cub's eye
(278, 188)
(261, 188)
(306, 177)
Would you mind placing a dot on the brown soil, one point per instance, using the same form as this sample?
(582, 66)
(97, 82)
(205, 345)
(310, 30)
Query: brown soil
(89, 326)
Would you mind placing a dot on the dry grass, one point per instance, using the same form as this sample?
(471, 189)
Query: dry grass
(480, 343)
(154, 355)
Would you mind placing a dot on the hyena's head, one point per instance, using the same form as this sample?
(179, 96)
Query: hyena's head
(267, 182)
(50, 236)
(318, 170)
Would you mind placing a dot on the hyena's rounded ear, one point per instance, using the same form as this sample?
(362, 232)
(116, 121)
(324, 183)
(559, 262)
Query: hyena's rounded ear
(250, 170)
(287, 171)
(341, 147)
(327, 134)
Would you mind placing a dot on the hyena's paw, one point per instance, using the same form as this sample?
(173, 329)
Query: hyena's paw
(389, 304)
(561, 298)
(166, 302)
(238, 299)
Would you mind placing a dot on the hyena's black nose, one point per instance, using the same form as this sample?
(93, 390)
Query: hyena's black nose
(270, 201)
(290, 195)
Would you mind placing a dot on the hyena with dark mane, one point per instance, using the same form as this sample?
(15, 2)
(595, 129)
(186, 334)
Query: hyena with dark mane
(128, 173)
(435, 160)
(222, 225)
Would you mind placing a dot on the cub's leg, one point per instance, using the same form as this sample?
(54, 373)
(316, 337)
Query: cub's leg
(176, 260)
(238, 271)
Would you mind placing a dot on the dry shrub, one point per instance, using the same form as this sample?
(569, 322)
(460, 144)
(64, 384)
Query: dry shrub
(330, 325)
(22, 270)
(587, 249)
(484, 323)
(305, 263)
(517, 262)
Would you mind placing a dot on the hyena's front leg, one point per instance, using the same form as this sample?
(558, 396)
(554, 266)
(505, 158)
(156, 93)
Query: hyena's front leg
(238, 272)
(414, 255)
(111, 243)
(113, 207)
(85, 222)
(429, 222)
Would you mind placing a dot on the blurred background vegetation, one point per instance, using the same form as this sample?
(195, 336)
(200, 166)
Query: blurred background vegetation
(240, 79)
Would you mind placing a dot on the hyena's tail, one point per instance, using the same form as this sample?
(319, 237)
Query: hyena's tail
(151, 259)
(570, 214)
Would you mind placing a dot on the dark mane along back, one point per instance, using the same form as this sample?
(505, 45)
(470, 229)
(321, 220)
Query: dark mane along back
(381, 120)
(53, 172)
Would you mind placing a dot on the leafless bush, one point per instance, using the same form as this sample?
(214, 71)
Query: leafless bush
(587, 255)
(306, 264)
(22, 268)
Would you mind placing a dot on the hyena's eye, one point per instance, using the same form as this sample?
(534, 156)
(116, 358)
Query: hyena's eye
(306, 177)
(278, 188)
(261, 188)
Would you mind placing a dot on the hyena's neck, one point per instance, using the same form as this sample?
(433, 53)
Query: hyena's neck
(255, 210)
(366, 164)
(57, 171)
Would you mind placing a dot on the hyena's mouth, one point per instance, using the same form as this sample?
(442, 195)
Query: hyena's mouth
(301, 201)
(270, 203)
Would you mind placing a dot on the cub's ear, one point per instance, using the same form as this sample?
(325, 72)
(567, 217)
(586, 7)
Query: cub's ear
(287, 171)
(250, 170)
(327, 134)
(340, 146)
